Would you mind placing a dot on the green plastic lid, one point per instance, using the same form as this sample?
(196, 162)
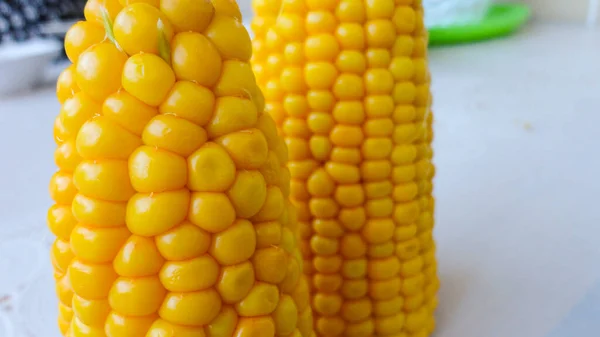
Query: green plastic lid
(501, 20)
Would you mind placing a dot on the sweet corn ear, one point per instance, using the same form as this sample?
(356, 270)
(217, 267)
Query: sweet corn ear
(347, 83)
(171, 211)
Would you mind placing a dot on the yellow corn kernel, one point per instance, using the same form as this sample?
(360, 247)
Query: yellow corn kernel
(191, 275)
(163, 328)
(120, 325)
(357, 124)
(98, 245)
(94, 8)
(138, 257)
(255, 327)
(188, 15)
(155, 213)
(66, 85)
(148, 78)
(80, 37)
(171, 214)
(161, 132)
(90, 312)
(189, 101)
(136, 28)
(224, 324)
(99, 70)
(192, 309)
(136, 296)
(91, 281)
(235, 244)
(183, 242)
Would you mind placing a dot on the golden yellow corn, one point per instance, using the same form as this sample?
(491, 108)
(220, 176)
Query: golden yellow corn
(171, 209)
(348, 86)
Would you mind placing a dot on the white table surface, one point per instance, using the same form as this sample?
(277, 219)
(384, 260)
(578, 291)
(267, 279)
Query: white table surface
(518, 223)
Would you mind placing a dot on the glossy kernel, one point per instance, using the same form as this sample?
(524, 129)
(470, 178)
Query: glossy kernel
(188, 15)
(190, 101)
(248, 193)
(91, 281)
(174, 134)
(127, 111)
(261, 300)
(183, 242)
(100, 138)
(138, 257)
(192, 309)
(191, 275)
(99, 70)
(247, 148)
(234, 245)
(106, 180)
(80, 37)
(98, 245)
(136, 296)
(66, 85)
(220, 31)
(152, 170)
(155, 213)
(136, 28)
(211, 169)
(148, 78)
(196, 59)
(213, 212)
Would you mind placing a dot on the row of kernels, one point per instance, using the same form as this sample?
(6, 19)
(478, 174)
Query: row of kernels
(103, 184)
(61, 220)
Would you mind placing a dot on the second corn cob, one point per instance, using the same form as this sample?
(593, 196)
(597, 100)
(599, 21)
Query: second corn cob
(347, 83)
(171, 214)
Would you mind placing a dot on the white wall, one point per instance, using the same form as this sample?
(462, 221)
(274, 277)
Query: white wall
(560, 10)
(246, 7)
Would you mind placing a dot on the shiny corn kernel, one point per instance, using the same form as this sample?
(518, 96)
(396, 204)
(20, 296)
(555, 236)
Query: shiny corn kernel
(261, 300)
(117, 324)
(224, 324)
(191, 309)
(152, 170)
(196, 59)
(127, 111)
(138, 257)
(191, 275)
(94, 8)
(66, 85)
(155, 213)
(91, 281)
(234, 245)
(99, 70)
(188, 15)
(136, 296)
(183, 242)
(148, 78)
(255, 327)
(80, 37)
(213, 212)
(90, 312)
(136, 28)
(165, 132)
(220, 31)
(190, 101)
(98, 245)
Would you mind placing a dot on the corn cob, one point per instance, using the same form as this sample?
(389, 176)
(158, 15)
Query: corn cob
(347, 83)
(171, 208)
